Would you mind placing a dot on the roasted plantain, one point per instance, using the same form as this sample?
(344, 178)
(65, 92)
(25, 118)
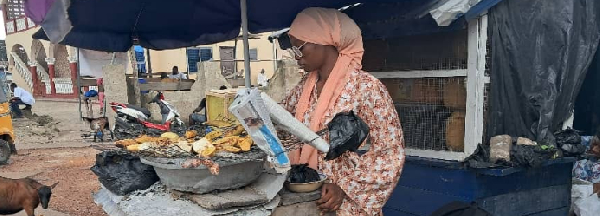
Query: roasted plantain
(230, 140)
(124, 143)
(245, 144)
(214, 134)
(232, 149)
(238, 130)
(191, 134)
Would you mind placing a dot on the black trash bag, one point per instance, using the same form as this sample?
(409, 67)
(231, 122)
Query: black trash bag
(301, 173)
(480, 159)
(568, 136)
(346, 133)
(529, 155)
(457, 208)
(569, 141)
(122, 173)
(573, 150)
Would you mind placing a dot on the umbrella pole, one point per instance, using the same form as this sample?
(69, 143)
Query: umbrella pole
(79, 88)
(247, 76)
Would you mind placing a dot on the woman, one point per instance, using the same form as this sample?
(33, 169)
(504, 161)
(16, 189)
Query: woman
(328, 45)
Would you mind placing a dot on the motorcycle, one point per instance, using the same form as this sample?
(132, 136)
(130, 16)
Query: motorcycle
(133, 121)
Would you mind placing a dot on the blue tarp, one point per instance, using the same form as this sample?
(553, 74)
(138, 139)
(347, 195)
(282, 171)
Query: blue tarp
(114, 25)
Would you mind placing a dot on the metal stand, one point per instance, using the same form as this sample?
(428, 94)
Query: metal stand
(248, 78)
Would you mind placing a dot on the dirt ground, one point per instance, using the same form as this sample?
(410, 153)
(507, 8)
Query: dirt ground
(54, 151)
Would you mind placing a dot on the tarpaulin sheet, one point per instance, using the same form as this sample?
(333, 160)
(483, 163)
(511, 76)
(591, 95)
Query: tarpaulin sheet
(541, 50)
(91, 62)
(587, 105)
(112, 25)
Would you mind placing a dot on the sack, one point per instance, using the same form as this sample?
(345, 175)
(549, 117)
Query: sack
(122, 173)
(461, 209)
(346, 133)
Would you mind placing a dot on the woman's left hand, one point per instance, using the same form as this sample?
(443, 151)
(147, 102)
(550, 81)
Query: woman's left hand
(332, 197)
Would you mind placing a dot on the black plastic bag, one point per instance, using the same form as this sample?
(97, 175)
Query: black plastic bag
(573, 150)
(301, 173)
(346, 133)
(529, 155)
(568, 136)
(122, 173)
(569, 141)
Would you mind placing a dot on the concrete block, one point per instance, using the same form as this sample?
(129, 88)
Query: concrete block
(229, 199)
(284, 80)
(209, 73)
(299, 209)
(525, 141)
(500, 148)
(115, 88)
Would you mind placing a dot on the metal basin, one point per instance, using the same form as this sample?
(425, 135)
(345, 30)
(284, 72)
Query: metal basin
(233, 173)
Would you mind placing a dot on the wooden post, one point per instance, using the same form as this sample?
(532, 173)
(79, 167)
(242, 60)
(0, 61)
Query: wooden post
(73, 68)
(475, 83)
(34, 78)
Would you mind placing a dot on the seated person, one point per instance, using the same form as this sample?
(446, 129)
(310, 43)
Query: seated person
(20, 96)
(195, 117)
(176, 74)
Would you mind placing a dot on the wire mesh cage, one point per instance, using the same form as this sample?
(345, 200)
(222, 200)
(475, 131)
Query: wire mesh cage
(437, 51)
(428, 76)
(486, 92)
(431, 110)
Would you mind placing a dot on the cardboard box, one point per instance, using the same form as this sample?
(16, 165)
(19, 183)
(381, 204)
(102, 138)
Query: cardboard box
(217, 105)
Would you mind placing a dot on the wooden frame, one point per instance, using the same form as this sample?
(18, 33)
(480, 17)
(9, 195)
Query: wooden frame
(476, 80)
(421, 74)
(154, 84)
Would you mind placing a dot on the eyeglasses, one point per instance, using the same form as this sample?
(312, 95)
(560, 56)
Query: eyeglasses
(295, 51)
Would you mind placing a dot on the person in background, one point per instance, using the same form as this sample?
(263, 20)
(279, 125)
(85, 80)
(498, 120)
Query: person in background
(196, 117)
(100, 84)
(328, 45)
(262, 78)
(176, 74)
(20, 96)
(242, 73)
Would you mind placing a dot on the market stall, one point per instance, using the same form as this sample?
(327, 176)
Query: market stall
(440, 83)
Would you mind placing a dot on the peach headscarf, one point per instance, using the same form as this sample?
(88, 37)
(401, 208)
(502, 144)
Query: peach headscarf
(324, 26)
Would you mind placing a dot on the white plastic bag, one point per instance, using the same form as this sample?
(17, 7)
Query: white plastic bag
(588, 206)
(250, 110)
(583, 201)
(285, 120)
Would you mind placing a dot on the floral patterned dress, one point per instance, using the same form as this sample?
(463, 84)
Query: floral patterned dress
(370, 178)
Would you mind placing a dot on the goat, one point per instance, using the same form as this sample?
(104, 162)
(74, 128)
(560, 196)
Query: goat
(98, 125)
(23, 194)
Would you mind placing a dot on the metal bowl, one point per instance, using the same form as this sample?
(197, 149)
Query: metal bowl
(306, 187)
(233, 172)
